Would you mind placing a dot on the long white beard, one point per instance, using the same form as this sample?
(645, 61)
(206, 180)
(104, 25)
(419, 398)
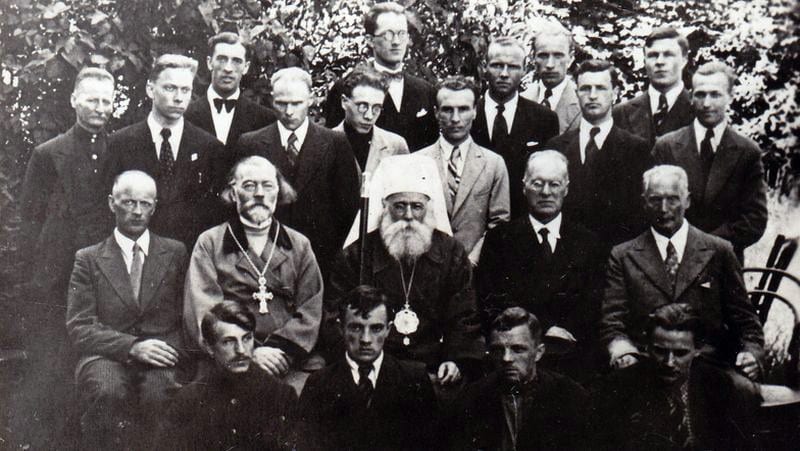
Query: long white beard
(406, 240)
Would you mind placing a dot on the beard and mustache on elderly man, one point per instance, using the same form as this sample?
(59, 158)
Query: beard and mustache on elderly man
(406, 240)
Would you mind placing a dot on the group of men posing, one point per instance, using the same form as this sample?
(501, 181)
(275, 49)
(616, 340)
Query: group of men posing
(234, 269)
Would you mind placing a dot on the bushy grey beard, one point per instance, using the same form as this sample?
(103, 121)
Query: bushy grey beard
(406, 240)
(257, 215)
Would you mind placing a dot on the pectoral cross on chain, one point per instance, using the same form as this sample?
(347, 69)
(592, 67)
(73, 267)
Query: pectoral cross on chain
(262, 296)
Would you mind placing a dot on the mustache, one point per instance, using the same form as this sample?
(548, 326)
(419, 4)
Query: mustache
(406, 240)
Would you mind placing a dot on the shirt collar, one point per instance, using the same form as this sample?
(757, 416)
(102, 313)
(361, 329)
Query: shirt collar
(381, 68)
(700, 133)
(300, 133)
(155, 128)
(447, 148)
(510, 105)
(553, 227)
(557, 91)
(376, 368)
(126, 244)
(678, 240)
(86, 135)
(605, 129)
(672, 96)
(213, 94)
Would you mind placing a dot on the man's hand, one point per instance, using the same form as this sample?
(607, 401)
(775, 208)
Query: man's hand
(747, 363)
(154, 352)
(272, 360)
(448, 373)
(624, 361)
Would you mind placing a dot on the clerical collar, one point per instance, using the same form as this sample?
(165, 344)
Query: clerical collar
(381, 68)
(671, 94)
(229, 244)
(85, 135)
(250, 225)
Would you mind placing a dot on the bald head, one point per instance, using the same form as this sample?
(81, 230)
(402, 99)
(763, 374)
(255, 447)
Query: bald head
(133, 201)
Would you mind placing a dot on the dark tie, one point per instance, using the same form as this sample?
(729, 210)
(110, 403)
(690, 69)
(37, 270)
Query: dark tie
(136, 270)
(393, 76)
(229, 104)
(661, 113)
(546, 100)
(707, 154)
(500, 128)
(166, 161)
(591, 146)
(365, 387)
(671, 264)
(547, 250)
(291, 149)
(453, 179)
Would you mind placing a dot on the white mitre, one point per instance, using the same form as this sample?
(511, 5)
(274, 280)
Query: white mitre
(400, 174)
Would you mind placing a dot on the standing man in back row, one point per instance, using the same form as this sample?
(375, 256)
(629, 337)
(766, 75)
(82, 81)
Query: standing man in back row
(408, 109)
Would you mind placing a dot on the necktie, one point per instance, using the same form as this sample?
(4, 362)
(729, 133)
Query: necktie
(546, 100)
(707, 154)
(671, 264)
(661, 113)
(365, 387)
(500, 127)
(393, 76)
(591, 146)
(229, 104)
(547, 250)
(136, 270)
(453, 179)
(291, 149)
(166, 161)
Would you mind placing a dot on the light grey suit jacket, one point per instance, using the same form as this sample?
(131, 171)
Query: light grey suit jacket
(384, 144)
(568, 109)
(482, 200)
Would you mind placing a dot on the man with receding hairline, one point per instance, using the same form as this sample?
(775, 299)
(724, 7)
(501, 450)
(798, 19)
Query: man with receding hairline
(124, 318)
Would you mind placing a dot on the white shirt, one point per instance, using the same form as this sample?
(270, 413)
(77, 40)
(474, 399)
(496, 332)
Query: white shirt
(126, 245)
(678, 241)
(700, 134)
(300, 132)
(174, 138)
(553, 228)
(373, 374)
(584, 133)
(222, 119)
(672, 96)
(447, 151)
(557, 91)
(490, 109)
(395, 85)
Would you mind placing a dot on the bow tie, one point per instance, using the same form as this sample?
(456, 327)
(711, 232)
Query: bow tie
(393, 76)
(229, 104)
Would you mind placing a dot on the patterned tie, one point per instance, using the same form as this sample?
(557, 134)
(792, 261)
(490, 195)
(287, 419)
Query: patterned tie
(707, 154)
(547, 250)
(365, 387)
(591, 146)
(453, 179)
(136, 270)
(500, 128)
(661, 113)
(546, 100)
(166, 162)
(292, 152)
(671, 264)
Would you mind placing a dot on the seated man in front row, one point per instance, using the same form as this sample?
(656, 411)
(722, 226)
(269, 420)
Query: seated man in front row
(424, 272)
(519, 406)
(367, 399)
(264, 265)
(235, 405)
(124, 317)
(674, 262)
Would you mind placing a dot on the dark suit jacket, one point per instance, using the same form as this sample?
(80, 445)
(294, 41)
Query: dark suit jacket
(326, 180)
(605, 192)
(192, 205)
(247, 116)
(533, 126)
(554, 415)
(732, 203)
(635, 116)
(103, 318)
(401, 414)
(63, 208)
(415, 121)
(709, 279)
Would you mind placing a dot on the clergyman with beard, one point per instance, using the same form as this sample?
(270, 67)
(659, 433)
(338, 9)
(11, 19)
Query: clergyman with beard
(412, 257)
(264, 265)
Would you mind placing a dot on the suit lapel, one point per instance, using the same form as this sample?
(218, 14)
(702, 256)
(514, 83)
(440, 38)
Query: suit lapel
(648, 259)
(155, 266)
(725, 160)
(436, 153)
(473, 168)
(696, 256)
(241, 114)
(113, 267)
(481, 130)
(687, 156)
(568, 104)
(378, 149)
(204, 116)
(309, 159)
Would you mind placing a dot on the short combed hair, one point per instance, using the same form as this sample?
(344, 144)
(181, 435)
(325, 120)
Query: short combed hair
(555, 29)
(364, 299)
(172, 61)
(665, 170)
(364, 75)
(718, 67)
(371, 17)
(517, 316)
(548, 154)
(291, 74)
(227, 37)
(680, 317)
(457, 83)
(286, 193)
(668, 32)
(595, 65)
(132, 175)
(94, 73)
(506, 41)
(230, 312)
